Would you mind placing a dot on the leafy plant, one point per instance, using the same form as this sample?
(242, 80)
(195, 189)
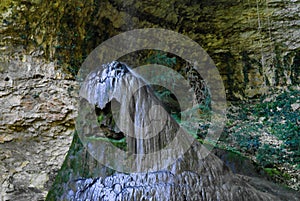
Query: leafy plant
(264, 156)
(160, 57)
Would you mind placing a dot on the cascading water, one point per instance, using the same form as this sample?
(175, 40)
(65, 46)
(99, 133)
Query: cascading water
(141, 116)
(145, 175)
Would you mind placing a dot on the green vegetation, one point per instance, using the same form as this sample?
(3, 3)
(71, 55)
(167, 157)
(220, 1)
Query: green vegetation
(277, 175)
(120, 143)
(161, 58)
(77, 164)
(264, 130)
(70, 165)
(267, 131)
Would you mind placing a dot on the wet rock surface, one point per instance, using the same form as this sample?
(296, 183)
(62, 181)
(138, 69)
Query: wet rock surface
(196, 175)
(185, 186)
(88, 184)
(36, 127)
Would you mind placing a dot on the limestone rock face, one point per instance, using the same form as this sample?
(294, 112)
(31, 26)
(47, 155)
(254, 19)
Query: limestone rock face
(255, 44)
(36, 126)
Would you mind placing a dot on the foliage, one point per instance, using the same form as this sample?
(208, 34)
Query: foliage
(69, 167)
(281, 120)
(267, 130)
(272, 116)
(268, 155)
(119, 143)
(160, 57)
(275, 173)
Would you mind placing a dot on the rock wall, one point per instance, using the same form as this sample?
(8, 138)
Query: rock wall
(254, 43)
(36, 126)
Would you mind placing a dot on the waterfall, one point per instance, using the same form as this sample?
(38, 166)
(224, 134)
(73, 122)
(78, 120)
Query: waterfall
(141, 116)
(161, 162)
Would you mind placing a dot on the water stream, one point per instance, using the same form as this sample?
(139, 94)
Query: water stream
(161, 161)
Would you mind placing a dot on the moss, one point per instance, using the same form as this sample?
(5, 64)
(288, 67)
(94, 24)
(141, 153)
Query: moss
(232, 154)
(120, 143)
(64, 175)
(272, 171)
(77, 164)
(275, 173)
(100, 118)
